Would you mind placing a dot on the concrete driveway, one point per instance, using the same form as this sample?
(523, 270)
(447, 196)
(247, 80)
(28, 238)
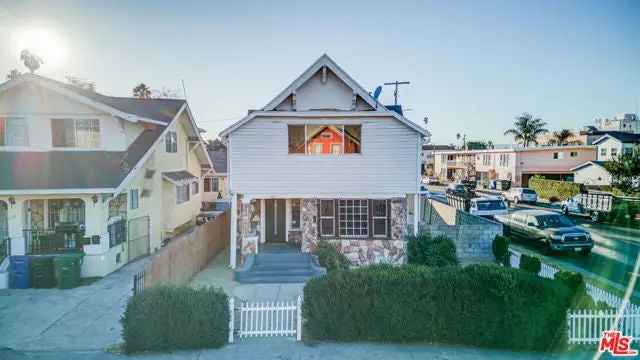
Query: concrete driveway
(84, 318)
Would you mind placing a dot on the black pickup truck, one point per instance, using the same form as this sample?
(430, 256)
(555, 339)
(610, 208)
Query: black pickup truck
(556, 231)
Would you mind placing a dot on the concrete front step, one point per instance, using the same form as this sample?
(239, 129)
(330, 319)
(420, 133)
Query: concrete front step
(278, 268)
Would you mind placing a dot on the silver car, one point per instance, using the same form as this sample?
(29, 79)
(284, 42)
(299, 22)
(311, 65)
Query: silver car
(520, 194)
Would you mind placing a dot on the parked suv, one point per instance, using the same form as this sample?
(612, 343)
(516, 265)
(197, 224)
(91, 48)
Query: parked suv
(556, 231)
(519, 194)
(459, 189)
(488, 206)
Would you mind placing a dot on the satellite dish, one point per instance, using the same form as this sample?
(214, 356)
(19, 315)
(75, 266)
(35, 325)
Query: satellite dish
(376, 92)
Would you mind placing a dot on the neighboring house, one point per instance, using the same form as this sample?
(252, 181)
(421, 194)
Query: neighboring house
(215, 181)
(337, 166)
(428, 158)
(109, 176)
(610, 145)
(517, 165)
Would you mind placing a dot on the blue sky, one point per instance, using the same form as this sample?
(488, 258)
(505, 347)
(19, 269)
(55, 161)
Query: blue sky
(473, 65)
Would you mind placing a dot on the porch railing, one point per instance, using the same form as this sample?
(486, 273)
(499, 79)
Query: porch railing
(40, 241)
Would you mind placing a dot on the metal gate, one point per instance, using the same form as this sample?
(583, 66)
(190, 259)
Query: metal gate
(138, 237)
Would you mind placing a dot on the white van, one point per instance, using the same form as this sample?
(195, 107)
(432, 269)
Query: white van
(488, 206)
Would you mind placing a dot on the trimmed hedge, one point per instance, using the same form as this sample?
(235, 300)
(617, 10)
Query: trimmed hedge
(580, 299)
(500, 248)
(530, 263)
(330, 257)
(425, 250)
(547, 189)
(482, 305)
(167, 318)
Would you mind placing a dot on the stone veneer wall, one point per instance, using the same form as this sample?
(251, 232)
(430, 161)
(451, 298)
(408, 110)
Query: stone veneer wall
(248, 233)
(309, 225)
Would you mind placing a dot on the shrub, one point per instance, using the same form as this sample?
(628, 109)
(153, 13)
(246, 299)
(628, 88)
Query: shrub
(554, 199)
(530, 263)
(578, 288)
(500, 248)
(547, 189)
(479, 305)
(169, 318)
(330, 257)
(425, 250)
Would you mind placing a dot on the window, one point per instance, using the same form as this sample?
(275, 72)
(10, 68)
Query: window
(603, 151)
(504, 160)
(354, 218)
(327, 218)
(207, 184)
(195, 188)
(83, 133)
(486, 159)
(182, 193)
(380, 218)
(14, 132)
(171, 142)
(65, 211)
(574, 154)
(325, 139)
(216, 184)
(134, 199)
(558, 155)
(614, 152)
(295, 214)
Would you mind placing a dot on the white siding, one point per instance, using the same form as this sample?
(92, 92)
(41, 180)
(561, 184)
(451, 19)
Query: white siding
(261, 164)
(592, 175)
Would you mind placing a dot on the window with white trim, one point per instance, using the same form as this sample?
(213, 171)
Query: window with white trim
(81, 133)
(195, 188)
(354, 217)
(207, 184)
(171, 142)
(603, 151)
(327, 218)
(14, 132)
(182, 193)
(614, 152)
(134, 199)
(296, 214)
(380, 218)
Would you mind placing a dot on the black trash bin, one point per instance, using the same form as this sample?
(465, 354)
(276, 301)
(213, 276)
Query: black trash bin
(42, 275)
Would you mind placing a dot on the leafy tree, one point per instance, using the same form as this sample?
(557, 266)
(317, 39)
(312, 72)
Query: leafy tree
(13, 74)
(625, 171)
(215, 144)
(563, 137)
(31, 60)
(477, 145)
(82, 83)
(142, 91)
(526, 129)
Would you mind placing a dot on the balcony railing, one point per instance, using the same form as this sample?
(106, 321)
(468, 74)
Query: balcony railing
(42, 241)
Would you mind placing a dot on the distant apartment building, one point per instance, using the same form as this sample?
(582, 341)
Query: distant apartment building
(621, 122)
(517, 165)
(428, 158)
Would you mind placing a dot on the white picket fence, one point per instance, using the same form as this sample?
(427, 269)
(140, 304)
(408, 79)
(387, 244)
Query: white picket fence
(266, 319)
(586, 326)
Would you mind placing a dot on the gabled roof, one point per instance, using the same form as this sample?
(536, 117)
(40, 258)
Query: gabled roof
(324, 61)
(219, 159)
(623, 137)
(158, 111)
(587, 164)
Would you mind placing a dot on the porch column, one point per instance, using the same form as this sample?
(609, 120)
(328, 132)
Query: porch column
(233, 230)
(416, 213)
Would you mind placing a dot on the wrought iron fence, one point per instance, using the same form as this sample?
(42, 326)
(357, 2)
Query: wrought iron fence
(138, 283)
(39, 241)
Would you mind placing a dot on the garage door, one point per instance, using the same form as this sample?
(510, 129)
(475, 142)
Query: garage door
(138, 236)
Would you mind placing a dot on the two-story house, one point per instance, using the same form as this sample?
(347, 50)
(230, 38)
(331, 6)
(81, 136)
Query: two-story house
(109, 176)
(323, 161)
(610, 146)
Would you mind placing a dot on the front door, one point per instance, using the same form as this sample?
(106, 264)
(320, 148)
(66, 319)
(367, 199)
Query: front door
(275, 216)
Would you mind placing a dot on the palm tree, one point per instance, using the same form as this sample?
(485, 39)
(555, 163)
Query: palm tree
(13, 74)
(526, 129)
(563, 137)
(142, 91)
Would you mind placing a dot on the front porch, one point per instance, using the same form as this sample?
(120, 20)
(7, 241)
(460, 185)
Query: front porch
(367, 230)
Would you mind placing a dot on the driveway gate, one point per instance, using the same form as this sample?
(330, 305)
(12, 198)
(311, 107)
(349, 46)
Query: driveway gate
(138, 236)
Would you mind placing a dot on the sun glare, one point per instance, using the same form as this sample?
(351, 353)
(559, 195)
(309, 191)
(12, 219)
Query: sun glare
(43, 42)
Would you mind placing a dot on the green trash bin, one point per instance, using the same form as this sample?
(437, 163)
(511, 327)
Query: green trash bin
(67, 270)
(42, 274)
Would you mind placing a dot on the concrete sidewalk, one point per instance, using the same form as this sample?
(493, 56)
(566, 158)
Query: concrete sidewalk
(84, 318)
(287, 349)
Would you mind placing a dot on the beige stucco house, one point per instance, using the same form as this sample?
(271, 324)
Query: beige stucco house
(323, 161)
(111, 177)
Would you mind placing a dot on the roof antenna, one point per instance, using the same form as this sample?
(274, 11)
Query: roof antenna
(395, 92)
(184, 90)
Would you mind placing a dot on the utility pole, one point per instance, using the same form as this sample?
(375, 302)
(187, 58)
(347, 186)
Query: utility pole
(395, 92)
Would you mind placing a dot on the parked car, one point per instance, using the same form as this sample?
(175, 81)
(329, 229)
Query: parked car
(556, 231)
(594, 205)
(459, 189)
(488, 206)
(429, 180)
(469, 184)
(519, 194)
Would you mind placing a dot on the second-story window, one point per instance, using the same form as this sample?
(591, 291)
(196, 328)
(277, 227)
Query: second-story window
(182, 193)
(134, 198)
(14, 132)
(325, 139)
(82, 133)
(171, 142)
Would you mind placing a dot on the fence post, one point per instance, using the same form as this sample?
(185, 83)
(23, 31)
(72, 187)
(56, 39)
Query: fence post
(231, 319)
(299, 319)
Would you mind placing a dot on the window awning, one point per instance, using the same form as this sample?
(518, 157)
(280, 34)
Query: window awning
(181, 177)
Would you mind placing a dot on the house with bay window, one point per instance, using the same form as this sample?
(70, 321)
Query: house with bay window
(112, 177)
(323, 161)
